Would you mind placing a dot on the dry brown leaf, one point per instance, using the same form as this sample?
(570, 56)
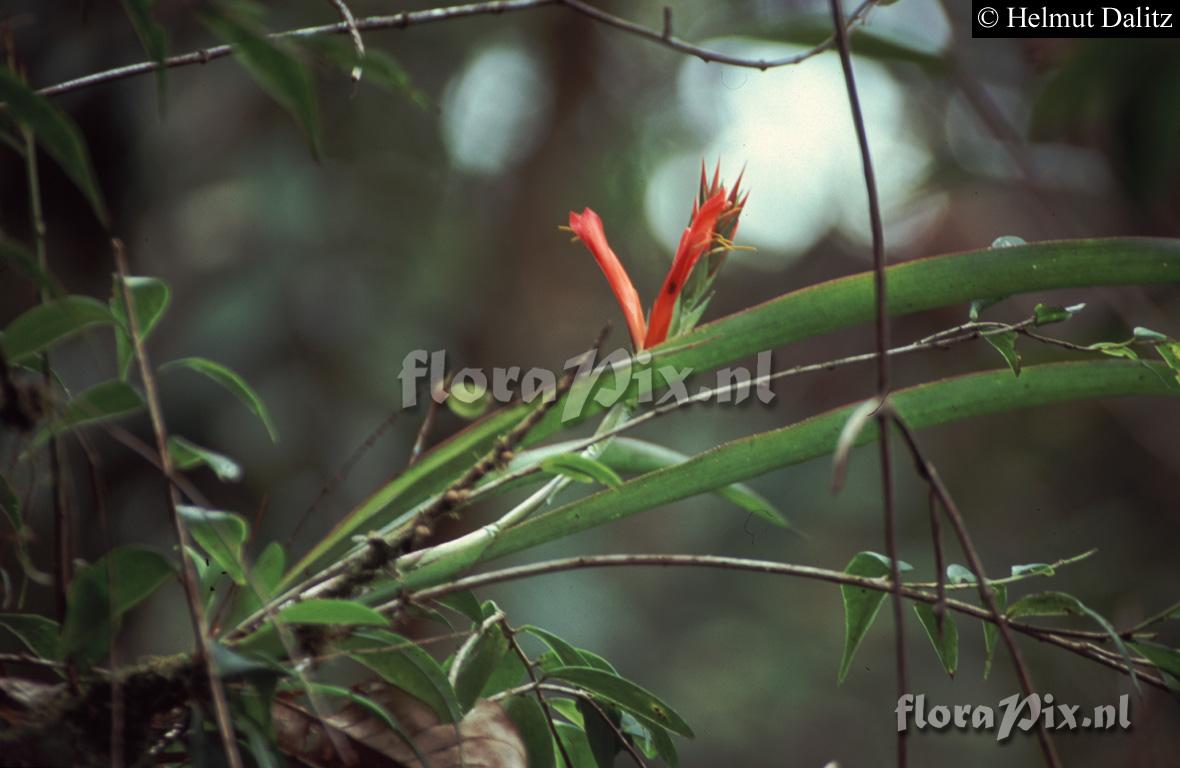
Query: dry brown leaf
(486, 737)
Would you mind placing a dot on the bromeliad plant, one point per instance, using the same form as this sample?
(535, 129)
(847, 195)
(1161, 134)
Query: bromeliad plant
(686, 290)
(265, 682)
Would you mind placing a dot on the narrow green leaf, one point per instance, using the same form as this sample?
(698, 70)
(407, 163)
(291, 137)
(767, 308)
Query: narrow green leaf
(991, 633)
(274, 66)
(625, 694)
(463, 603)
(332, 611)
(1170, 354)
(54, 321)
(56, 133)
(1161, 656)
(946, 643)
(576, 747)
(151, 35)
(861, 605)
(600, 734)
(23, 260)
(581, 469)
(187, 455)
(528, 717)
(103, 402)
(231, 381)
(568, 655)
(477, 667)
(1115, 349)
(1146, 334)
(1062, 604)
(151, 297)
(509, 673)
(401, 663)
(102, 592)
(1005, 344)
(37, 633)
(221, 535)
(913, 286)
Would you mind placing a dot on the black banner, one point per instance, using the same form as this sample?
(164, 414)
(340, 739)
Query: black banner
(1099, 18)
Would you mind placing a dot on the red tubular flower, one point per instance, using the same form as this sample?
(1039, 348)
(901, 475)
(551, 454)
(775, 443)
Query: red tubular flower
(714, 219)
(588, 227)
(693, 243)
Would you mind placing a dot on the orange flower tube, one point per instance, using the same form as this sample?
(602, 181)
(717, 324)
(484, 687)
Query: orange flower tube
(587, 225)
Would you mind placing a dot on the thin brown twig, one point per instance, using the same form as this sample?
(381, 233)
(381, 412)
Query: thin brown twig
(433, 15)
(751, 566)
(188, 572)
(929, 473)
(882, 339)
(514, 645)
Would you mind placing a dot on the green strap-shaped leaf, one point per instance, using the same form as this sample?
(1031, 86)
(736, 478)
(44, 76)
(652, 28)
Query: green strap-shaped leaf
(273, 64)
(912, 287)
(861, 605)
(56, 133)
(581, 469)
(47, 324)
(333, 612)
(221, 535)
(401, 663)
(151, 297)
(231, 381)
(102, 592)
(567, 654)
(946, 643)
(922, 406)
(626, 694)
(478, 665)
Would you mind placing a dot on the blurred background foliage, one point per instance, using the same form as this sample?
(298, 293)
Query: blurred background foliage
(432, 223)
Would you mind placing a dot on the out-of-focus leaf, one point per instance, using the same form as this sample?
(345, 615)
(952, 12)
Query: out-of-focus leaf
(379, 67)
(187, 455)
(332, 611)
(861, 605)
(51, 322)
(151, 297)
(56, 133)
(1005, 344)
(10, 503)
(530, 721)
(600, 734)
(273, 64)
(221, 535)
(626, 694)
(991, 633)
(463, 603)
(581, 469)
(22, 259)
(102, 402)
(1115, 349)
(37, 633)
(509, 673)
(1165, 659)
(467, 400)
(946, 645)
(231, 381)
(151, 35)
(576, 747)
(102, 592)
(959, 574)
(1045, 314)
(400, 662)
(1170, 354)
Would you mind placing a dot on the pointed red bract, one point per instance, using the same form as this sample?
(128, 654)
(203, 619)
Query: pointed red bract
(695, 241)
(587, 225)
